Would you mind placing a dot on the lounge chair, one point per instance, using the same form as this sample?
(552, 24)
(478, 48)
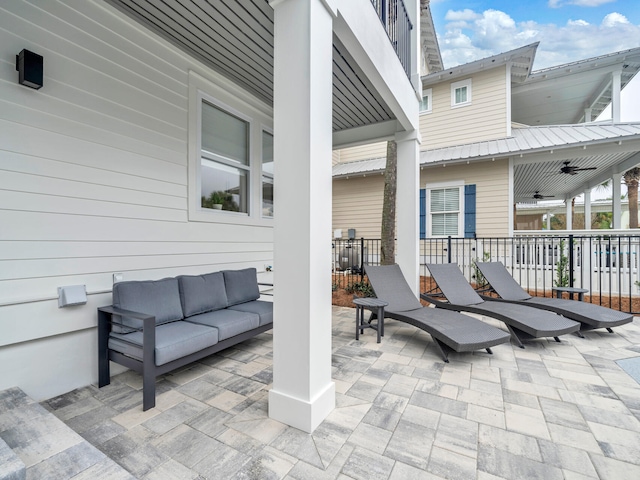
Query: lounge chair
(589, 315)
(523, 322)
(451, 331)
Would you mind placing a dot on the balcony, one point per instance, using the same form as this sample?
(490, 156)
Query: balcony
(395, 19)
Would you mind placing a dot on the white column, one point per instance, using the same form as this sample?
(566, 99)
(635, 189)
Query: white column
(587, 115)
(303, 393)
(587, 209)
(616, 193)
(569, 222)
(408, 208)
(616, 78)
(548, 219)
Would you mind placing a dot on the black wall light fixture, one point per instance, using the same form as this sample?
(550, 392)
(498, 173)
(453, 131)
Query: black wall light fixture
(30, 67)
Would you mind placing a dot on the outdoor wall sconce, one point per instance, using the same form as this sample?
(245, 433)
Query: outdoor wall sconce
(72, 295)
(30, 67)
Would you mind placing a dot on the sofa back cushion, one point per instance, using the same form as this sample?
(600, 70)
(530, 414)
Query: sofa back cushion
(202, 293)
(160, 298)
(241, 285)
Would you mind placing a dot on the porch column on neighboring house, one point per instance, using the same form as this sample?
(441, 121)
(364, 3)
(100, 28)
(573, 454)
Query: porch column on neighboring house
(408, 207)
(587, 209)
(303, 393)
(548, 219)
(569, 222)
(615, 195)
(616, 87)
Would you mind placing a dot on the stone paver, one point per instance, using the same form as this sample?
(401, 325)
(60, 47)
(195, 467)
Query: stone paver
(551, 411)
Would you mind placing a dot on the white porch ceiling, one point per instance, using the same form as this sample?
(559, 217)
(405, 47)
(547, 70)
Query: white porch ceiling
(235, 38)
(560, 94)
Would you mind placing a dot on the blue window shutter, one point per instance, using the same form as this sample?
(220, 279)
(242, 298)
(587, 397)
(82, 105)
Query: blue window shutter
(423, 213)
(469, 211)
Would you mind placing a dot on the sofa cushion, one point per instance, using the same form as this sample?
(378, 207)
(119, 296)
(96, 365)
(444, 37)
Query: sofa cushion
(173, 340)
(160, 298)
(202, 293)
(228, 322)
(263, 309)
(241, 285)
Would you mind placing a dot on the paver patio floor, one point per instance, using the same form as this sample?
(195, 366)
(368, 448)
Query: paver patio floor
(550, 411)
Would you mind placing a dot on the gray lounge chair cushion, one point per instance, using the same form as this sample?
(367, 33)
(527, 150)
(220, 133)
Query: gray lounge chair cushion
(202, 293)
(263, 309)
(502, 281)
(173, 340)
(242, 285)
(160, 298)
(453, 284)
(228, 322)
(390, 285)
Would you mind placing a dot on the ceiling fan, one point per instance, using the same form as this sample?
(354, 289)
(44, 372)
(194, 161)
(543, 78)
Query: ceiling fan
(572, 169)
(538, 196)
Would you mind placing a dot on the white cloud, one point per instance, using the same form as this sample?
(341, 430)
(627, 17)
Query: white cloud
(578, 3)
(471, 35)
(614, 18)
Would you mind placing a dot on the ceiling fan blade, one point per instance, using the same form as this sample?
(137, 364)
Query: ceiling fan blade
(584, 169)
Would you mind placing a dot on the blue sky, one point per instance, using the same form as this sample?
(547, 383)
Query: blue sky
(568, 30)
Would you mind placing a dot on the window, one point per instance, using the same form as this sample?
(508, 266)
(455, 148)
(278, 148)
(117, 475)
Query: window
(230, 142)
(444, 207)
(225, 162)
(267, 174)
(461, 93)
(450, 209)
(426, 104)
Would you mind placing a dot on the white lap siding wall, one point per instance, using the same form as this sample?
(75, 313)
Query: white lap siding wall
(94, 181)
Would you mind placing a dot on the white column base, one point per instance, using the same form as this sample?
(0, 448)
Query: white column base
(299, 413)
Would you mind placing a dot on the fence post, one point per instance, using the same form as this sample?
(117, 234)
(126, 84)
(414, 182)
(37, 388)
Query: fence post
(571, 260)
(361, 259)
(449, 249)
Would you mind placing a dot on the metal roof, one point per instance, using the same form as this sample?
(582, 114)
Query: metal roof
(539, 154)
(534, 139)
(359, 168)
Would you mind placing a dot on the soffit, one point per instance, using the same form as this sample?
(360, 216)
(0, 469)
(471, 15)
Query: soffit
(559, 95)
(235, 38)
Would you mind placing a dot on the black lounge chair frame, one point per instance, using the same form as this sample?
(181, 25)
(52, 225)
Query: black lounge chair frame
(589, 315)
(524, 323)
(451, 331)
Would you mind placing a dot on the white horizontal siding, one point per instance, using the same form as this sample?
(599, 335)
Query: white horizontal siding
(93, 181)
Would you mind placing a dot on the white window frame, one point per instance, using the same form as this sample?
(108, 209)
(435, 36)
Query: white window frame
(225, 95)
(265, 174)
(428, 94)
(427, 198)
(455, 86)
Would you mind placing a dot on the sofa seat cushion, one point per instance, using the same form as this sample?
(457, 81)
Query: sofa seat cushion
(263, 309)
(202, 293)
(173, 340)
(160, 298)
(228, 322)
(241, 285)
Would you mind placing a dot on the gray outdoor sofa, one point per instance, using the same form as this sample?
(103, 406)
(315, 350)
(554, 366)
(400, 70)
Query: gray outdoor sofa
(523, 322)
(155, 326)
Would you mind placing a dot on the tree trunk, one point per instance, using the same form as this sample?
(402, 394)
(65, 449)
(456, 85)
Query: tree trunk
(388, 242)
(632, 193)
(631, 178)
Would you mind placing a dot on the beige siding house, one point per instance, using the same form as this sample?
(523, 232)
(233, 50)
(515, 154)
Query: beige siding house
(479, 160)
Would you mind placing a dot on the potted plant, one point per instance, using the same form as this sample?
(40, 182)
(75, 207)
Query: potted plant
(215, 200)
